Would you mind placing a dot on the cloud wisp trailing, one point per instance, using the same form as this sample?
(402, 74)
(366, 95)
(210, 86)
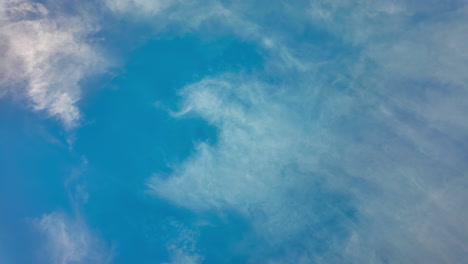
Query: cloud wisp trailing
(69, 240)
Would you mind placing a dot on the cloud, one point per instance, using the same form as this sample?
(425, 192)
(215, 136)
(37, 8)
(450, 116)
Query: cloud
(187, 14)
(207, 19)
(44, 56)
(183, 247)
(361, 161)
(358, 158)
(265, 165)
(300, 172)
(181, 258)
(139, 7)
(69, 240)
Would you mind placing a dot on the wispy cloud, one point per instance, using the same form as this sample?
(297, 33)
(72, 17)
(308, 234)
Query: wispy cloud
(358, 158)
(266, 163)
(140, 7)
(69, 240)
(361, 161)
(183, 247)
(205, 19)
(44, 56)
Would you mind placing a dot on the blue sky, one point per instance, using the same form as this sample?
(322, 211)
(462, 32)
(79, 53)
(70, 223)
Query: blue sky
(189, 132)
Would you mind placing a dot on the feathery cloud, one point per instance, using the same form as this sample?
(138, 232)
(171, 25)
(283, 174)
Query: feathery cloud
(69, 240)
(364, 162)
(44, 56)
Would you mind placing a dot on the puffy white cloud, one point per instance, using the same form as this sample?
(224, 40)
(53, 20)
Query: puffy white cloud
(69, 240)
(44, 56)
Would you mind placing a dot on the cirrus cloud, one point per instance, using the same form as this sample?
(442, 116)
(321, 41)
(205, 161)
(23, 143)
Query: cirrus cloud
(44, 56)
(359, 159)
(69, 240)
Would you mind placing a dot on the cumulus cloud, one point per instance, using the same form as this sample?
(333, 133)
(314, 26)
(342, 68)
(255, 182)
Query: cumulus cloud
(69, 240)
(361, 163)
(44, 56)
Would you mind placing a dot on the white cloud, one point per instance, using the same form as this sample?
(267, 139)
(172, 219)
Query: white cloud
(161, 13)
(264, 163)
(205, 18)
(69, 240)
(291, 164)
(180, 256)
(367, 164)
(139, 7)
(183, 247)
(44, 56)
(376, 147)
(359, 21)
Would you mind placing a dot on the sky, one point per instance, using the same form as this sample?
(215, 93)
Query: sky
(219, 131)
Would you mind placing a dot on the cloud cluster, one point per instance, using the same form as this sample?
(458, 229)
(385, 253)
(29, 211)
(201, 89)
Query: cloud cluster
(46, 53)
(335, 176)
(358, 157)
(263, 164)
(361, 161)
(68, 240)
(44, 56)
